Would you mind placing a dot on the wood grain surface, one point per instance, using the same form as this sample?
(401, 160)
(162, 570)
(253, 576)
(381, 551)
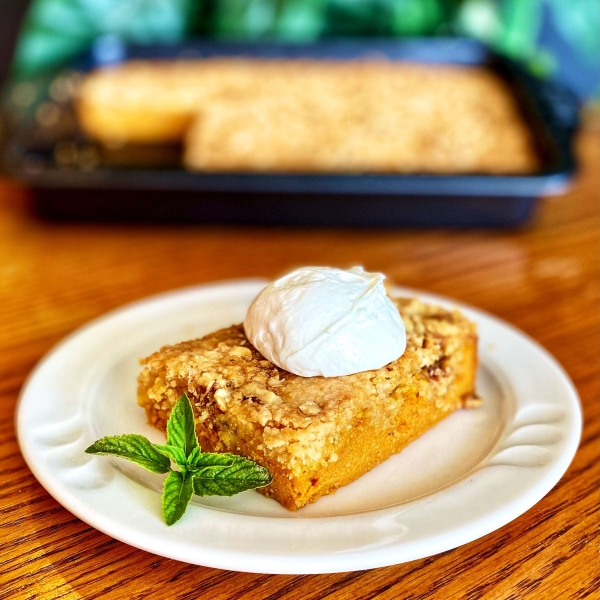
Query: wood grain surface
(543, 279)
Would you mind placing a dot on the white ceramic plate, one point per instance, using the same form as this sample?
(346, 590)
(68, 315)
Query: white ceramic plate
(470, 475)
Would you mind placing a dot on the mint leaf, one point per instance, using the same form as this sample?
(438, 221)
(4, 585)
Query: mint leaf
(135, 448)
(214, 459)
(193, 457)
(181, 430)
(215, 478)
(177, 455)
(177, 493)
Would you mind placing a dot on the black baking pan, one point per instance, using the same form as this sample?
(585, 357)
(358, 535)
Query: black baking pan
(149, 185)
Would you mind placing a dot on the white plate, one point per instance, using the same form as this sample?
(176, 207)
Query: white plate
(470, 475)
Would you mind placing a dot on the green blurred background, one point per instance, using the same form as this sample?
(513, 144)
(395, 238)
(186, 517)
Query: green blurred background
(553, 37)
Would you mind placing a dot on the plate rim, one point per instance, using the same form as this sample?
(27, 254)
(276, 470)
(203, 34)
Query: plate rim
(310, 563)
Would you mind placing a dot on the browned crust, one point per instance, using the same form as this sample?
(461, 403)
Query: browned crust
(315, 434)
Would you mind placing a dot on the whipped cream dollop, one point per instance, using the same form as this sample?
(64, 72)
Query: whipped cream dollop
(325, 321)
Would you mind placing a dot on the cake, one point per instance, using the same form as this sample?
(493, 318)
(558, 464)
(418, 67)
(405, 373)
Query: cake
(248, 115)
(315, 434)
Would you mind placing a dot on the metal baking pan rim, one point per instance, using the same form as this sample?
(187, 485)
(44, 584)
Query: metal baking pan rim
(350, 184)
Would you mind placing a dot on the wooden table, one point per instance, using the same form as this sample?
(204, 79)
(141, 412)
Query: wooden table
(544, 280)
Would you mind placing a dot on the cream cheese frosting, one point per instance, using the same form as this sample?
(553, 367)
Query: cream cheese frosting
(325, 321)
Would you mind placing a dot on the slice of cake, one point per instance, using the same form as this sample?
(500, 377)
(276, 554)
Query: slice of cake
(315, 434)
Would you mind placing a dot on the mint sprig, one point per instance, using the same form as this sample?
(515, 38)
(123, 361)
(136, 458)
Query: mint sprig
(200, 473)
